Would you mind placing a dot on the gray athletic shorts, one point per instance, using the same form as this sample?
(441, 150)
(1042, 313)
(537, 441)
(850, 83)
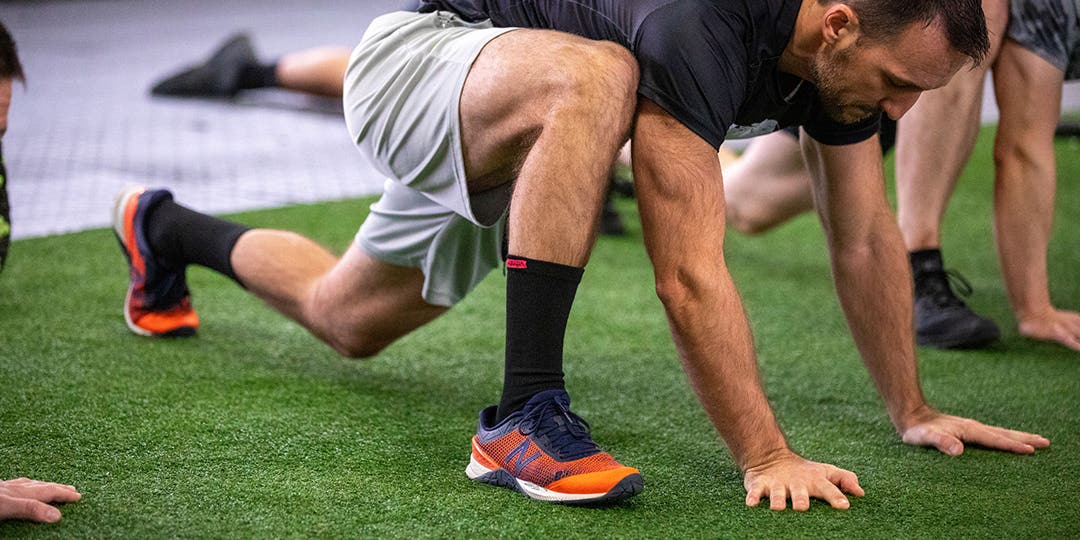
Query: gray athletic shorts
(1050, 29)
(402, 100)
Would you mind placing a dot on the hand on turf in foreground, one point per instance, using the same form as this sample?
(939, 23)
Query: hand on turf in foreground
(24, 498)
(791, 476)
(949, 433)
(1053, 325)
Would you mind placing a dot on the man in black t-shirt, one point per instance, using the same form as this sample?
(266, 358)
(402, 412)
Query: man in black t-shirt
(470, 98)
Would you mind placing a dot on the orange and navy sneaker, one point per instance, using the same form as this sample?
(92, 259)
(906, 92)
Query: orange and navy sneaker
(545, 452)
(158, 302)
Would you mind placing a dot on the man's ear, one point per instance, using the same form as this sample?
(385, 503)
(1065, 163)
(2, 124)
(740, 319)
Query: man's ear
(839, 25)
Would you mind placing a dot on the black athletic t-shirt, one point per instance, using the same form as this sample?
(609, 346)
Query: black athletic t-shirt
(711, 64)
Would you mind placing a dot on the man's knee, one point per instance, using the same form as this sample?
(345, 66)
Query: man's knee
(596, 80)
(357, 346)
(746, 222)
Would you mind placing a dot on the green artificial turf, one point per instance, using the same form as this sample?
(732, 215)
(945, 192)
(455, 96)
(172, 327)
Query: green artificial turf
(255, 429)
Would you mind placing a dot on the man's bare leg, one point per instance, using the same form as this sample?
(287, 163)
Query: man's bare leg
(557, 135)
(570, 124)
(767, 185)
(319, 71)
(527, 113)
(1024, 186)
(357, 304)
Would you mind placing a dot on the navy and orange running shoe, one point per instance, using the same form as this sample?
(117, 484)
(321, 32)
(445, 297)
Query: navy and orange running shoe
(158, 302)
(545, 452)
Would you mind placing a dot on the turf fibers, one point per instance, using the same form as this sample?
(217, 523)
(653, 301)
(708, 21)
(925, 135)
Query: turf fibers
(255, 429)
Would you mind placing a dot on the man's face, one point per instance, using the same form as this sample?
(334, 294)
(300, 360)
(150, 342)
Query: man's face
(865, 77)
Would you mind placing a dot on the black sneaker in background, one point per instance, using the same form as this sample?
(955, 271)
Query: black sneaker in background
(942, 320)
(217, 77)
(611, 223)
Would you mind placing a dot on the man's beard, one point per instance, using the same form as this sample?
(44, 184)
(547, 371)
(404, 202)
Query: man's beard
(825, 74)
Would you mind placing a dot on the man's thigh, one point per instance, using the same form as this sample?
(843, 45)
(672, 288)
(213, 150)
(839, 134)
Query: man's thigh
(515, 83)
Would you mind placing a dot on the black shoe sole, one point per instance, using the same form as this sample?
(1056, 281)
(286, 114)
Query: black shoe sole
(977, 341)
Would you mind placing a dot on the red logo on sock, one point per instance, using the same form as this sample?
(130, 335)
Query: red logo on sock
(516, 264)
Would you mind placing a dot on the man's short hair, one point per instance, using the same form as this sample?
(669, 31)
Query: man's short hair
(10, 67)
(963, 20)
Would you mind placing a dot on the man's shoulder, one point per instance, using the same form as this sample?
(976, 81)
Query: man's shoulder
(677, 14)
(712, 23)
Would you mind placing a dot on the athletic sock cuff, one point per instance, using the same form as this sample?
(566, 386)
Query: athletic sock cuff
(558, 271)
(926, 259)
(259, 76)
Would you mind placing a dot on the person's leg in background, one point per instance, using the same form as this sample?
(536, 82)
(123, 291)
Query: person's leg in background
(934, 142)
(1026, 178)
(768, 184)
(234, 66)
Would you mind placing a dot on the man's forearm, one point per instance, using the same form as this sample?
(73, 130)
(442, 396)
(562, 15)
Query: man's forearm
(874, 286)
(717, 351)
(869, 267)
(680, 193)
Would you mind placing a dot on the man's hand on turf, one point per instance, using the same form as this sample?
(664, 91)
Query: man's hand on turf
(27, 499)
(791, 476)
(947, 433)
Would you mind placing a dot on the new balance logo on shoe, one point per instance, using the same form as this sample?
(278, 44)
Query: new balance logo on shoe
(518, 456)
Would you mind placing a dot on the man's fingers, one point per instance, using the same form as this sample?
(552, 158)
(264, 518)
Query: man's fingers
(847, 481)
(942, 441)
(44, 491)
(1068, 339)
(987, 437)
(828, 492)
(1038, 441)
(800, 498)
(29, 509)
(777, 496)
(753, 495)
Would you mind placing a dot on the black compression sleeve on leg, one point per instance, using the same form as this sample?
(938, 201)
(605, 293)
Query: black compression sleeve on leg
(179, 236)
(538, 299)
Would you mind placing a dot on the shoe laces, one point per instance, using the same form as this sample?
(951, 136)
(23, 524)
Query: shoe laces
(938, 286)
(567, 435)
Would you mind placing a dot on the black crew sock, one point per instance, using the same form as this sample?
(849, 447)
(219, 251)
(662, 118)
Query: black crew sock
(258, 76)
(538, 299)
(179, 236)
